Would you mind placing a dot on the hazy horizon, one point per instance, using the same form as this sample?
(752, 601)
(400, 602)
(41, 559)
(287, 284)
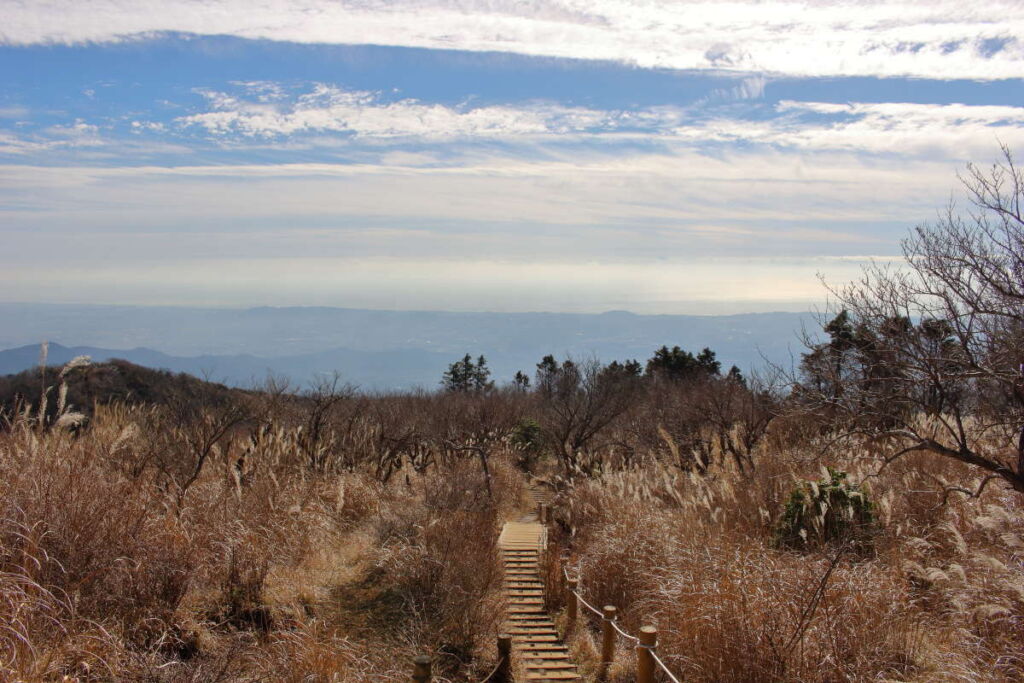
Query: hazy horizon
(680, 308)
(377, 348)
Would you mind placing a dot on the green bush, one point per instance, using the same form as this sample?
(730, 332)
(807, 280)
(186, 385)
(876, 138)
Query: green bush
(528, 441)
(827, 511)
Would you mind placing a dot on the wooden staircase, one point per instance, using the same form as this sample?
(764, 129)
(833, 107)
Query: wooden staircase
(535, 641)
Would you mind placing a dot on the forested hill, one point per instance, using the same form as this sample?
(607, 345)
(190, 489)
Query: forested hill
(111, 381)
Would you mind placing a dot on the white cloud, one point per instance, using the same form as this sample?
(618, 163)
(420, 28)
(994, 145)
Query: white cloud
(956, 130)
(73, 136)
(436, 283)
(13, 112)
(78, 133)
(938, 39)
(362, 113)
(650, 201)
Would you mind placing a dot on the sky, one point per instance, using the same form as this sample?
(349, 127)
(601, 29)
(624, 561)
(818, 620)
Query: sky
(491, 155)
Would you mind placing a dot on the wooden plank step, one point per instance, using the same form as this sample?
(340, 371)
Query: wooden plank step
(529, 621)
(533, 631)
(552, 676)
(543, 664)
(540, 647)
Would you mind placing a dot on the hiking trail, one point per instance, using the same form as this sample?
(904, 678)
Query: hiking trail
(535, 642)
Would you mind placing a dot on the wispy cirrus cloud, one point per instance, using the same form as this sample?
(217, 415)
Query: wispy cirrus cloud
(937, 39)
(363, 114)
(956, 130)
(57, 137)
(267, 111)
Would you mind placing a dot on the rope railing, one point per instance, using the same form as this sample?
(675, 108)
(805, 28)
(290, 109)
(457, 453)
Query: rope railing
(624, 634)
(497, 667)
(646, 644)
(588, 605)
(661, 664)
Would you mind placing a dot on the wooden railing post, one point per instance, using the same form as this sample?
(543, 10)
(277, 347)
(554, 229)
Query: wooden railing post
(544, 513)
(644, 654)
(421, 669)
(571, 604)
(504, 672)
(607, 638)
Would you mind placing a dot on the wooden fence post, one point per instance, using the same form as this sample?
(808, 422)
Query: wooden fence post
(544, 513)
(421, 669)
(571, 604)
(644, 654)
(607, 638)
(504, 672)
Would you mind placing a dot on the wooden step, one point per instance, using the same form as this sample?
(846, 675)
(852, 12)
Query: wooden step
(531, 646)
(550, 664)
(552, 676)
(530, 656)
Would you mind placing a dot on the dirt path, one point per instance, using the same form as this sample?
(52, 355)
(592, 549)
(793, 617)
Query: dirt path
(536, 647)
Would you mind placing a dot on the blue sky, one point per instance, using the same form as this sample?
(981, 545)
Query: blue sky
(486, 155)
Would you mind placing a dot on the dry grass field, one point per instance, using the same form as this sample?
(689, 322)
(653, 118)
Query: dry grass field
(332, 537)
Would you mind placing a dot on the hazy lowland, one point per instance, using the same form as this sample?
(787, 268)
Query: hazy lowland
(856, 515)
(375, 349)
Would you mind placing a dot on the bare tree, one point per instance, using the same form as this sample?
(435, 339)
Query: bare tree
(319, 439)
(475, 424)
(580, 400)
(933, 351)
(196, 433)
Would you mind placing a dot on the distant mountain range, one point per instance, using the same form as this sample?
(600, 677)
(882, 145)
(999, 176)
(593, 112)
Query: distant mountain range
(375, 349)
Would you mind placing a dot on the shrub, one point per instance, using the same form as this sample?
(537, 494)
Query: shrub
(825, 511)
(528, 441)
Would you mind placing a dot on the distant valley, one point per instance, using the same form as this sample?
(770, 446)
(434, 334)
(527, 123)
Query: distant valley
(374, 349)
